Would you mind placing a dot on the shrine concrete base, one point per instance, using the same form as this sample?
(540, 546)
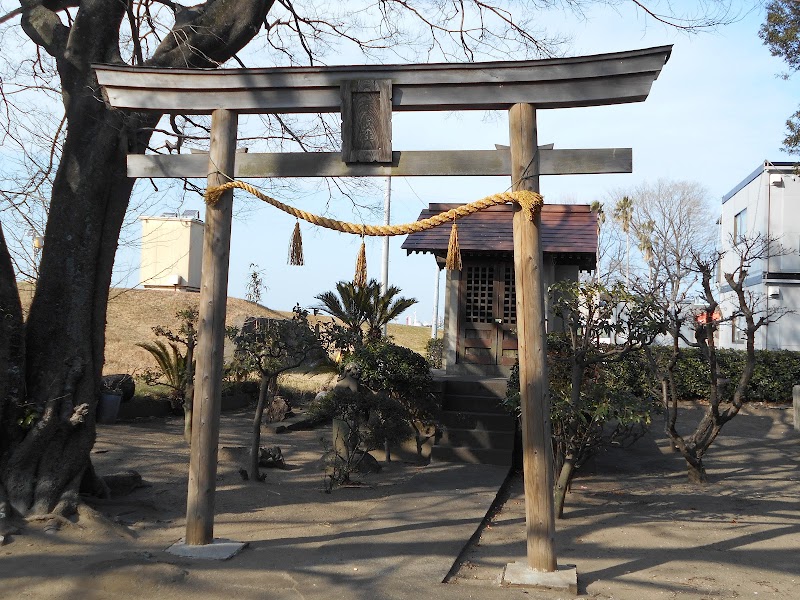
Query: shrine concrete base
(519, 574)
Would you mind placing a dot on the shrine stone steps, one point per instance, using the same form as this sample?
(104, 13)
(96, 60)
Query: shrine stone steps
(475, 428)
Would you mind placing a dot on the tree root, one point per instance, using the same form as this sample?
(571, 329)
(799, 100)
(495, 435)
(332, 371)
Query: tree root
(88, 518)
(92, 484)
(53, 522)
(96, 518)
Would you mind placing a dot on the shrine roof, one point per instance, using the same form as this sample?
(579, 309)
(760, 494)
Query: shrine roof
(566, 229)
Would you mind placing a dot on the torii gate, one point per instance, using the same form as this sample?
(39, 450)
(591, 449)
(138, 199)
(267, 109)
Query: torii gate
(366, 97)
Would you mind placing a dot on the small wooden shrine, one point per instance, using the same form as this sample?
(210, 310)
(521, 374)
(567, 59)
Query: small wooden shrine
(480, 328)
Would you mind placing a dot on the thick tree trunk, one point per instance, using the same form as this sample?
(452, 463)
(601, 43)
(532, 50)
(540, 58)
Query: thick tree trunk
(12, 369)
(65, 330)
(60, 362)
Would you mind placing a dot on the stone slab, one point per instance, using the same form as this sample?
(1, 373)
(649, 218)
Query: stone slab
(219, 549)
(519, 574)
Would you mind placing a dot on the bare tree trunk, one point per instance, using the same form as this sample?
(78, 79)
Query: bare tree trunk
(419, 438)
(567, 471)
(696, 470)
(266, 392)
(563, 483)
(12, 361)
(188, 396)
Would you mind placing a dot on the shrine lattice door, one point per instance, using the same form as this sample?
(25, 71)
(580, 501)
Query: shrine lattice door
(488, 314)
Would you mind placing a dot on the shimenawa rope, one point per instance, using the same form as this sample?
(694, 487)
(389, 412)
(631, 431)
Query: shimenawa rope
(530, 202)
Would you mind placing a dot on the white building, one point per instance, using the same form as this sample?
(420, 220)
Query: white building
(766, 202)
(172, 251)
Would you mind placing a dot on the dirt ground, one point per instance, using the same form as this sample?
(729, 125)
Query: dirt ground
(636, 529)
(633, 525)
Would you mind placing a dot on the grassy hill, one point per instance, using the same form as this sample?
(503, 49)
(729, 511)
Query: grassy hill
(132, 313)
(409, 336)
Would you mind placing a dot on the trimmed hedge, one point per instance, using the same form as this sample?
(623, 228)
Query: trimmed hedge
(775, 373)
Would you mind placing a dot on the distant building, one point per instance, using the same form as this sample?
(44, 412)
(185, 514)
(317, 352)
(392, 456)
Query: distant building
(766, 202)
(172, 251)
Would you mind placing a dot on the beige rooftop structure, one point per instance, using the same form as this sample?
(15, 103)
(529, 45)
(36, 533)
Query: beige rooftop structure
(172, 251)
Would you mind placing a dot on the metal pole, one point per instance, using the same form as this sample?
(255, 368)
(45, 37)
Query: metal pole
(537, 454)
(435, 324)
(387, 201)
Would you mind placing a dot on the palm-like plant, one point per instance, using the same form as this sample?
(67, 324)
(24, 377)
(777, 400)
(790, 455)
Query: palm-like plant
(359, 305)
(174, 368)
(348, 304)
(383, 307)
(644, 236)
(171, 369)
(597, 209)
(623, 213)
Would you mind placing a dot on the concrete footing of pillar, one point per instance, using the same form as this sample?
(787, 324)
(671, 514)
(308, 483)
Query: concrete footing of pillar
(519, 574)
(219, 549)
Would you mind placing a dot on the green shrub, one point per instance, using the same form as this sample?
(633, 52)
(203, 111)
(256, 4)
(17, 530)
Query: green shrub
(405, 377)
(776, 371)
(394, 397)
(434, 350)
(615, 407)
(366, 421)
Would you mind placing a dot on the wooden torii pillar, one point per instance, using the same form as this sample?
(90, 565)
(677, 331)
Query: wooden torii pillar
(366, 95)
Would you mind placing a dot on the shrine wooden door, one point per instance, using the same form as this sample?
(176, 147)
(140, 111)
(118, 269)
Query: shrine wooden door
(488, 314)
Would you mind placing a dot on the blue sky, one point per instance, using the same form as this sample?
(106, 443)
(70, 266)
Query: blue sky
(717, 110)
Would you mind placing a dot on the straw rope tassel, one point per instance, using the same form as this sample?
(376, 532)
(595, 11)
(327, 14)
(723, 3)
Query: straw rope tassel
(360, 278)
(453, 251)
(296, 247)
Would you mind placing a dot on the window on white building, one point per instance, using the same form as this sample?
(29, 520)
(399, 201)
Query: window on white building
(739, 327)
(740, 225)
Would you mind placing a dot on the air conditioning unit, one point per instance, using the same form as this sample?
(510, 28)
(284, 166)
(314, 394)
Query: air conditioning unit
(175, 280)
(776, 179)
(774, 291)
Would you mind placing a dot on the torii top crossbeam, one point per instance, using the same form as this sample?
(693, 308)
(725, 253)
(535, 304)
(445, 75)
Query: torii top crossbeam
(601, 79)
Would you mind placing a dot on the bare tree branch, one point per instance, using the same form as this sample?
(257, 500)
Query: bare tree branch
(44, 27)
